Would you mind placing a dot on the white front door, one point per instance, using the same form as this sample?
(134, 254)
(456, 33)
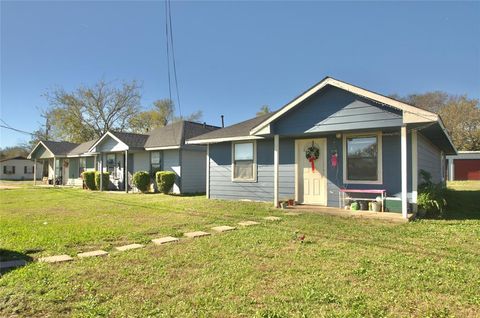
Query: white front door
(311, 183)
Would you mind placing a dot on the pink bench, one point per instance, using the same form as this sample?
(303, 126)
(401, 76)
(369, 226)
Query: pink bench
(341, 200)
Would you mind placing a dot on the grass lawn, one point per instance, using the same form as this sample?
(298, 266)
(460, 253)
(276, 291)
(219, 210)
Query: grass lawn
(346, 267)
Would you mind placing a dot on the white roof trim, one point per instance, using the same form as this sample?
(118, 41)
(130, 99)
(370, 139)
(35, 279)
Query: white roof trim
(415, 114)
(108, 133)
(215, 140)
(162, 148)
(39, 143)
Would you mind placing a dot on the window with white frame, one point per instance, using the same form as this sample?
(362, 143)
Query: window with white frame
(8, 169)
(111, 163)
(82, 165)
(244, 165)
(28, 169)
(155, 161)
(362, 157)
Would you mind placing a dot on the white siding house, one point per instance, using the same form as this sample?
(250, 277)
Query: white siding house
(19, 168)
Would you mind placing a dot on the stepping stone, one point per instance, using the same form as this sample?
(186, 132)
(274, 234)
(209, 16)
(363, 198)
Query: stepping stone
(13, 263)
(292, 213)
(272, 218)
(56, 259)
(128, 247)
(196, 234)
(165, 240)
(248, 223)
(223, 228)
(92, 254)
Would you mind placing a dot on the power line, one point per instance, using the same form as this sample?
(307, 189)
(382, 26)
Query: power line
(173, 58)
(17, 130)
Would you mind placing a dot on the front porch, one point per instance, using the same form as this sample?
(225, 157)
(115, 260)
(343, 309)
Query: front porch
(386, 216)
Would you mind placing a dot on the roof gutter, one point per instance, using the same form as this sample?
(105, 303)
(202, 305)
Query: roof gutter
(217, 140)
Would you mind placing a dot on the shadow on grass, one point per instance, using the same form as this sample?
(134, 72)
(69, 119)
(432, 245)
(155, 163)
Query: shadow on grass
(11, 260)
(462, 205)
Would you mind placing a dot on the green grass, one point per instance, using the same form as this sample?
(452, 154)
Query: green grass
(346, 267)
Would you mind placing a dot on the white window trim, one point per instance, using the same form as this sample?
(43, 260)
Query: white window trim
(254, 179)
(378, 134)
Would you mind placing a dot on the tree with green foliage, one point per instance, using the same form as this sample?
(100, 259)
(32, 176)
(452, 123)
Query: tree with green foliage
(264, 110)
(460, 114)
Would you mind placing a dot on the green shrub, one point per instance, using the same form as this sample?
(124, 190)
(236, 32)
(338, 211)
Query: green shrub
(141, 179)
(105, 180)
(431, 196)
(165, 180)
(89, 179)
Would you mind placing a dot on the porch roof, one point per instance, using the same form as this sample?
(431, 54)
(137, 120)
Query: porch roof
(56, 148)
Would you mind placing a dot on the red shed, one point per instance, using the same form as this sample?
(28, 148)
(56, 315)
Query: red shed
(464, 166)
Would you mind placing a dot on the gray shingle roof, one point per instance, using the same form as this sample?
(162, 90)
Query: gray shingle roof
(82, 148)
(15, 158)
(131, 140)
(241, 129)
(59, 147)
(175, 134)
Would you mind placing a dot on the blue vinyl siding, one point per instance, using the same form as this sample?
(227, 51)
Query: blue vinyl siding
(222, 187)
(333, 109)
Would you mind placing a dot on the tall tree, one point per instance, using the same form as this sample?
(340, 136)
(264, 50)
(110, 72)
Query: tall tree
(264, 110)
(88, 112)
(460, 114)
(14, 151)
(161, 114)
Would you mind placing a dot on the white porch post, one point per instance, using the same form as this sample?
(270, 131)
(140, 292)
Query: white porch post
(101, 172)
(276, 160)
(35, 171)
(403, 132)
(414, 169)
(451, 169)
(126, 171)
(54, 170)
(207, 185)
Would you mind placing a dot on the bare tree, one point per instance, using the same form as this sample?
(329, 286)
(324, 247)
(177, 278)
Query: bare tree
(89, 112)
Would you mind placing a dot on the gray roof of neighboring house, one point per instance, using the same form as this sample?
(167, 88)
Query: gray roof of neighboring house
(175, 134)
(82, 148)
(241, 129)
(15, 158)
(132, 140)
(59, 147)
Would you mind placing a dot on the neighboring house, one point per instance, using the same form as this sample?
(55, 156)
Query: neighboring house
(364, 141)
(163, 148)
(18, 168)
(464, 166)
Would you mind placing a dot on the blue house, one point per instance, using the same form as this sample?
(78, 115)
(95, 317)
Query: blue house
(333, 138)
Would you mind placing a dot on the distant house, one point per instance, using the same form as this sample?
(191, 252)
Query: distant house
(18, 168)
(163, 148)
(464, 166)
(332, 138)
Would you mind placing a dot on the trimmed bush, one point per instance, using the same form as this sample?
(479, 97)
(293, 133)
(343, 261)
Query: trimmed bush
(141, 179)
(89, 179)
(165, 180)
(105, 180)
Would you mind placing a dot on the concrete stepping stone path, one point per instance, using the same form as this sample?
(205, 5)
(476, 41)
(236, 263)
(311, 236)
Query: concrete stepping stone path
(92, 254)
(248, 223)
(56, 259)
(272, 218)
(196, 234)
(13, 263)
(223, 228)
(129, 247)
(165, 240)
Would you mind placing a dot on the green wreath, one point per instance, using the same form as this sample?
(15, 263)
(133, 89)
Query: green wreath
(312, 152)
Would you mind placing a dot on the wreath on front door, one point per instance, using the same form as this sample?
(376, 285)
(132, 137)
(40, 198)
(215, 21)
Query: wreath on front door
(312, 153)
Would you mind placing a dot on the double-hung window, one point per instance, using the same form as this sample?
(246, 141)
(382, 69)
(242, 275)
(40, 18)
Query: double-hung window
(244, 161)
(9, 169)
(363, 158)
(155, 162)
(82, 165)
(28, 169)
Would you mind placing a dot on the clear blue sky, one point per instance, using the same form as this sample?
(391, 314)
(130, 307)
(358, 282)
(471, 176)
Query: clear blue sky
(233, 57)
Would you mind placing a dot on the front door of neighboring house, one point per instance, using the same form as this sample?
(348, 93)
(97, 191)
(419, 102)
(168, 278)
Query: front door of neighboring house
(311, 184)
